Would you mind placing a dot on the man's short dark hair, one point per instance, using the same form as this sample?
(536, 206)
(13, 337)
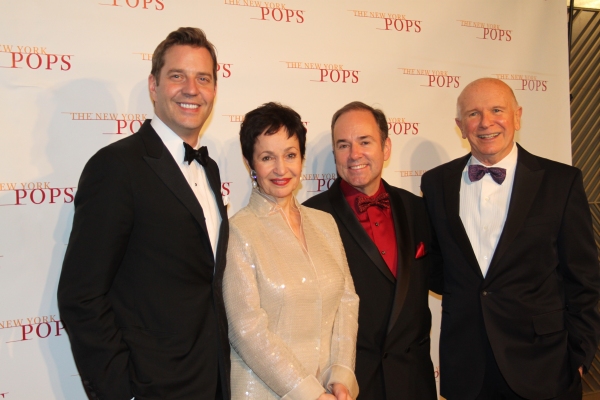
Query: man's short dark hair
(268, 119)
(194, 37)
(379, 116)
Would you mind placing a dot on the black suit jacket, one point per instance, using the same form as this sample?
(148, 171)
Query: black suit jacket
(392, 358)
(537, 304)
(140, 290)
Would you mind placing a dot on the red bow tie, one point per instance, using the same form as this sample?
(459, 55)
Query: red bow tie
(382, 201)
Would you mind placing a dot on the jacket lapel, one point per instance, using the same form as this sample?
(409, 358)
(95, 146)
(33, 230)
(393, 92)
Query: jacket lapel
(405, 245)
(346, 216)
(214, 179)
(163, 164)
(528, 178)
(452, 180)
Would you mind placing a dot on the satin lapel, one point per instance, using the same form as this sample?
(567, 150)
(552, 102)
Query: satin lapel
(406, 246)
(528, 178)
(162, 163)
(214, 179)
(212, 173)
(346, 215)
(452, 179)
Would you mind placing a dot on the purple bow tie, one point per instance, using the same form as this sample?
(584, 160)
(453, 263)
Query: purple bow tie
(476, 172)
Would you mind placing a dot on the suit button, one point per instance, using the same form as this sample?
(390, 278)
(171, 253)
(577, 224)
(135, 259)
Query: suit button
(485, 293)
(385, 355)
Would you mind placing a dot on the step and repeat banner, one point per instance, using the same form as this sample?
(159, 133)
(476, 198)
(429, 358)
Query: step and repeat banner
(73, 78)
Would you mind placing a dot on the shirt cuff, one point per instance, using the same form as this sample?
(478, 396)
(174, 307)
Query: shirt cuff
(309, 388)
(340, 374)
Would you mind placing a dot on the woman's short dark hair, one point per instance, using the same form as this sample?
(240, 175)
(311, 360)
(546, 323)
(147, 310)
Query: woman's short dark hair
(268, 119)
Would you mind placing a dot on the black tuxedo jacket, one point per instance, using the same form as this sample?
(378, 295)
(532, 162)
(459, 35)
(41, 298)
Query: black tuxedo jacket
(140, 290)
(537, 304)
(392, 357)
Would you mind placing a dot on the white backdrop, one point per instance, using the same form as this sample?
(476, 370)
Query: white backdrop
(73, 78)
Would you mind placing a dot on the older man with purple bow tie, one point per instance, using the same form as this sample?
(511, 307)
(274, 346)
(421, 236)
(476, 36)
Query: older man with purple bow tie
(521, 278)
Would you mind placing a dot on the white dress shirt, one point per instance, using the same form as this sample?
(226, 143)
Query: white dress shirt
(484, 206)
(195, 176)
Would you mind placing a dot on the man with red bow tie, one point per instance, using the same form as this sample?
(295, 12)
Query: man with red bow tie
(386, 234)
(521, 282)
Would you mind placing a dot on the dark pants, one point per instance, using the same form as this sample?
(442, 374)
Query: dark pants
(496, 388)
(219, 393)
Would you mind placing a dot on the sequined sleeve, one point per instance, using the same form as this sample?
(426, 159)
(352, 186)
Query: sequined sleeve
(265, 353)
(345, 328)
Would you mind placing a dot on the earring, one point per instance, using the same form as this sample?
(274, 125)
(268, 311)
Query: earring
(253, 176)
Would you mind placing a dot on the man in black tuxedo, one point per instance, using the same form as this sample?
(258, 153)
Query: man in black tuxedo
(140, 290)
(385, 231)
(520, 267)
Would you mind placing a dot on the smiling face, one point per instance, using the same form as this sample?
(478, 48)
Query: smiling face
(488, 116)
(184, 98)
(358, 150)
(278, 164)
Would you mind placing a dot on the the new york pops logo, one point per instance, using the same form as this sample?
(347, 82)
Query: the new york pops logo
(487, 31)
(332, 73)
(223, 69)
(239, 118)
(411, 173)
(34, 193)
(155, 5)
(529, 83)
(270, 11)
(316, 183)
(33, 57)
(32, 328)
(390, 21)
(434, 78)
(117, 123)
(400, 126)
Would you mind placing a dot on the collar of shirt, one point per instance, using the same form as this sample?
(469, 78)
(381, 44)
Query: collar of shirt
(170, 139)
(265, 205)
(509, 163)
(351, 194)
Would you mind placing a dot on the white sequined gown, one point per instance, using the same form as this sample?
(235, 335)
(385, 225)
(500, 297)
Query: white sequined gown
(293, 314)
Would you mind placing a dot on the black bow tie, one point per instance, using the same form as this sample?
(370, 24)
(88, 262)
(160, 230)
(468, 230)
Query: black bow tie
(200, 155)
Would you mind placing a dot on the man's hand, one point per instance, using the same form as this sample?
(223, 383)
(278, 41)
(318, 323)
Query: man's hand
(326, 396)
(581, 371)
(340, 392)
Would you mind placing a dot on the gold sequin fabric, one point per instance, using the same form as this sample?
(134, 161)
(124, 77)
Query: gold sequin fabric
(292, 312)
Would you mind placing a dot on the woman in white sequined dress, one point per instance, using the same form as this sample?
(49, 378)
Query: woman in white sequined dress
(290, 299)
